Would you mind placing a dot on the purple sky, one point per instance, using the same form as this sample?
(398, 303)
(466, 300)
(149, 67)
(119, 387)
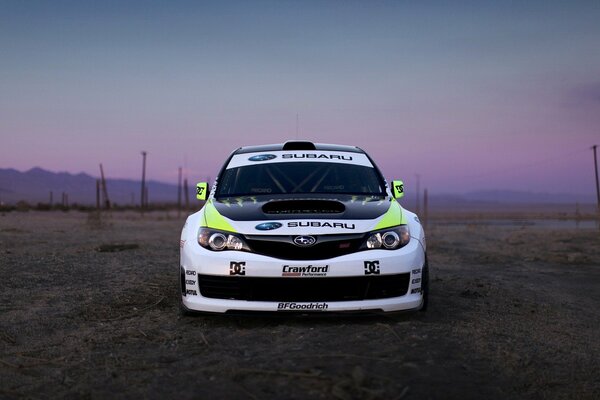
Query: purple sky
(476, 95)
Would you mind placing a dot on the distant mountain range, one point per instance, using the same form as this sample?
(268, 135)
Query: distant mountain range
(35, 185)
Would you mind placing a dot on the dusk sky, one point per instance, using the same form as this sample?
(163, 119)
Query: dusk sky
(470, 95)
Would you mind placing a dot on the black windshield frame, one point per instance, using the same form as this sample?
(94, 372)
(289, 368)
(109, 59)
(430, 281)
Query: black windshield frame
(288, 173)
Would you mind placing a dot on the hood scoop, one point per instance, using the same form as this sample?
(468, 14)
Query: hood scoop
(303, 207)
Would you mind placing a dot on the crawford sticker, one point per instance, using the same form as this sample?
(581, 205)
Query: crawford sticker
(304, 271)
(302, 306)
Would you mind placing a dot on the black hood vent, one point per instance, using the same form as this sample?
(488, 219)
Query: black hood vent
(303, 207)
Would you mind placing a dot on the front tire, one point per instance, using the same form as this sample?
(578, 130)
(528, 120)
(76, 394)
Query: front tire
(183, 310)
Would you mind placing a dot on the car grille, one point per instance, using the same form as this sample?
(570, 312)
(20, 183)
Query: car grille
(320, 251)
(303, 289)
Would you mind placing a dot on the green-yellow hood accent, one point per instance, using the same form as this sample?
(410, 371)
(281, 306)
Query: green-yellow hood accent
(212, 219)
(393, 216)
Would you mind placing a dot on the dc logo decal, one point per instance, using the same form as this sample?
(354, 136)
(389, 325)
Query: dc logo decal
(400, 188)
(262, 157)
(237, 268)
(199, 191)
(372, 268)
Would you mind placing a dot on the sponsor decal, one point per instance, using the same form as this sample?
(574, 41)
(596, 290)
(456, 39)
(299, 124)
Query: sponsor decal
(190, 282)
(189, 272)
(199, 190)
(372, 268)
(181, 244)
(268, 226)
(317, 224)
(261, 190)
(416, 271)
(400, 188)
(305, 271)
(313, 155)
(416, 280)
(262, 157)
(302, 306)
(237, 268)
(304, 241)
(415, 290)
(192, 292)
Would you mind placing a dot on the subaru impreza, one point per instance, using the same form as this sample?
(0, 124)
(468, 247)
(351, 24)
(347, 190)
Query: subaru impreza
(302, 227)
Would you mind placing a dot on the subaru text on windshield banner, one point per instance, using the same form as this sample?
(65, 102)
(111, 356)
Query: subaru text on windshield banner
(240, 160)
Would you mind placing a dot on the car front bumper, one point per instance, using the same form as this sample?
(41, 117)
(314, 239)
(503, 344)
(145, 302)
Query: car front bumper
(197, 262)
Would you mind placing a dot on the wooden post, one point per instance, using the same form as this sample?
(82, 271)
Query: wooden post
(594, 147)
(104, 191)
(186, 194)
(418, 200)
(98, 194)
(179, 194)
(425, 209)
(143, 193)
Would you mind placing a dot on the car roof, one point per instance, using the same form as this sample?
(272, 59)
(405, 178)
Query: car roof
(298, 145)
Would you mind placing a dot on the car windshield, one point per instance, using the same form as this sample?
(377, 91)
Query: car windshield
(299, 178)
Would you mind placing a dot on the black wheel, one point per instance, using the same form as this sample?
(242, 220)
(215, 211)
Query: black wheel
(183, 311)
(425, 285)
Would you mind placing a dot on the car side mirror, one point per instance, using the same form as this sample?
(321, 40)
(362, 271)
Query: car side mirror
(398, 189)
(201, 190)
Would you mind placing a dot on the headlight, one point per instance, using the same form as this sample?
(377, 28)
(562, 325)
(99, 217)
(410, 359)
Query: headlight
(390, 239)
(219, 240)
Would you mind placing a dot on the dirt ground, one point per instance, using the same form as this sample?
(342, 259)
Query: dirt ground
(514, 313)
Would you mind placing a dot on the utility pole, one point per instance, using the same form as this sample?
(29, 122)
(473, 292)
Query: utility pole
(143, 193)
(596, 172)
(418, 208)
(425, 209)
(186, 194)
(179, 194)
(98, 194)
(104, 191)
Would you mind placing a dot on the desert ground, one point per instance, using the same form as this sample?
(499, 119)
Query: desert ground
(89, 309)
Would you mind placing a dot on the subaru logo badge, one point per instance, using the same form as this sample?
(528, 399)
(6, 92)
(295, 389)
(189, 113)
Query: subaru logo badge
(304, 241)
(268, 226)
(262, 157)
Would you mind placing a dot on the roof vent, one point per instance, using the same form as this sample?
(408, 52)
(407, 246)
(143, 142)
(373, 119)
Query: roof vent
(299, 145)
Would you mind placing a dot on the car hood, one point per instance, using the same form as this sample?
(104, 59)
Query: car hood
(302, 215)
(345, 207)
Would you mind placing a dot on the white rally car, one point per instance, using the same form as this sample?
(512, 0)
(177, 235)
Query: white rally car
(306, 227)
